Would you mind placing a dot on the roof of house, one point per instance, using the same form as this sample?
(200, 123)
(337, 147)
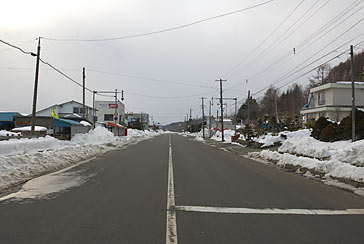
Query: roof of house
(65, 122)
(8, 116)
(61, 104)
(338, 84)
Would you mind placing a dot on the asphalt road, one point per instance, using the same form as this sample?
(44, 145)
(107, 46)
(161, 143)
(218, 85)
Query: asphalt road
(126, 194)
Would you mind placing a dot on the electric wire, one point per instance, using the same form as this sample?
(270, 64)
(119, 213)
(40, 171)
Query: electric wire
(13, 46)
(261, 43)
(18, 48)
(278, 63)
(312, 56)
(163, 30)
(279, 40)
(312, 39)
(150, 79)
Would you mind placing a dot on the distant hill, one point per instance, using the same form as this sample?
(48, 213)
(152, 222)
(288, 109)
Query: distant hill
(175, 127)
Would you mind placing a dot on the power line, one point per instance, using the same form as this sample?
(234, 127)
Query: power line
(313, 38)
(150, 79)
(307, 72)
(63, 74)
(13, 46)
(261, 44)
(279, 63)
(16, 47)
(160, 97)
(32, 69)
(278, 41)
(160, 31)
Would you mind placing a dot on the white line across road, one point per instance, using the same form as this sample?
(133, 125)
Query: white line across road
(226, 210)
(171, 227)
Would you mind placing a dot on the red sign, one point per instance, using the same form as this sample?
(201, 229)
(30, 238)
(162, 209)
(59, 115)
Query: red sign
(113, 106)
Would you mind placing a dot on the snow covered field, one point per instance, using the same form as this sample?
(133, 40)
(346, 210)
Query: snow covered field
(342, 160)
(24, 159)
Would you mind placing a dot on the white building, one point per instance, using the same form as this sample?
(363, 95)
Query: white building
(332, 101)
(68, 110)
(106, 111)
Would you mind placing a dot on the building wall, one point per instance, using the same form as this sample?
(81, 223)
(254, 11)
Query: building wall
(107, 108)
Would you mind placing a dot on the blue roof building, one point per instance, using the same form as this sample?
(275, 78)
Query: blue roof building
(7, 120)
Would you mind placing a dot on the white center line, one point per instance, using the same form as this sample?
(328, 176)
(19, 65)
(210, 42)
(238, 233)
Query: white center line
(226, 210)
(171, 227)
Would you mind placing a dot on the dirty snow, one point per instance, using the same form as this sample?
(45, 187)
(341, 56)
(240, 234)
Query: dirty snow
(342, 159)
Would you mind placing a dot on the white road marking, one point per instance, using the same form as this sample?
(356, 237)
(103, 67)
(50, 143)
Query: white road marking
(226, 210)
(171, 228)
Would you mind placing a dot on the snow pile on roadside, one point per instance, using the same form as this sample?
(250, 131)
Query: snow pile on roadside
(25, 145)
(216, 137)
(227, 135)
(270, 140)
(99, 135)
(342, 159)
(330, 168)
(308, 146)
(23, 165)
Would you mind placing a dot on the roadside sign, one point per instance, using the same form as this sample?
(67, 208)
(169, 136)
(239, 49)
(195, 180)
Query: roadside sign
(116, 115)
(115, 118)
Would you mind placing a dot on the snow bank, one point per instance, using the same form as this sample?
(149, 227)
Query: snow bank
(342, 159)
(25, 145)
(301, 143)
(99, 135)
(227, 135)
(270, 140)
(216, 137)
(24, 159)
(330, 168)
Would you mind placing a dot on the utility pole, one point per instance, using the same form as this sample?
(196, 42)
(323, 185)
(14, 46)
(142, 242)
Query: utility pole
(236, 115)
(226, 110)
(35, 93)
(217, 118)
(116, 111)
(203, 117)
(276, 106)
(248, 107)
(222, 110)
(210, 120)
(84, 92)
(353, 95)
(93, 109)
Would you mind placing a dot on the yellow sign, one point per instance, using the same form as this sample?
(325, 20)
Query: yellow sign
(54, 115)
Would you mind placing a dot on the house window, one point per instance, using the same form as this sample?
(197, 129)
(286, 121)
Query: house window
(322, 115)
(76, 110)
(321, 98)
(108, 117)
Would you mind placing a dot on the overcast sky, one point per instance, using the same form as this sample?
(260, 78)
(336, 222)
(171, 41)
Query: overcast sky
(177, 66)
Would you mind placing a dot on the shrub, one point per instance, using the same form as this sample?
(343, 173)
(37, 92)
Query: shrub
(320, 124)
(329, 134)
